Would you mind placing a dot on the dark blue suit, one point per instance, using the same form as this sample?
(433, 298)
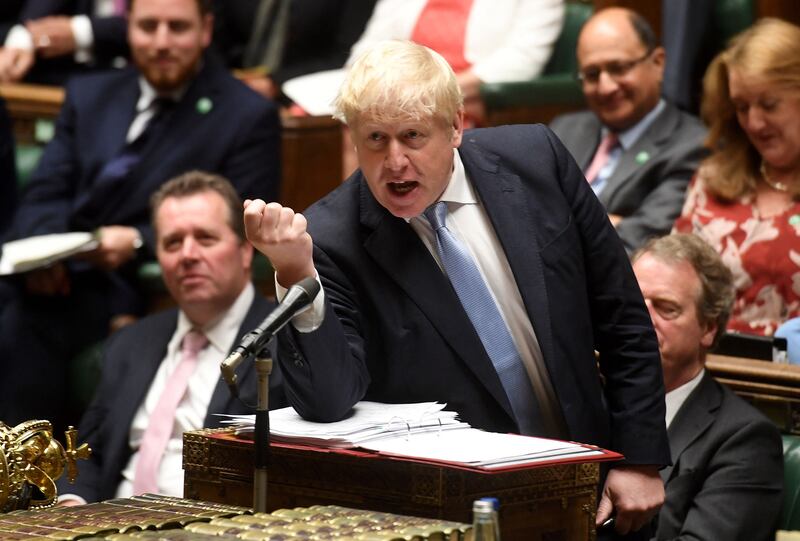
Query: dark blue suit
(110, 39)
(238, 137)
(130, 362)
(395, 330)
(8, 170)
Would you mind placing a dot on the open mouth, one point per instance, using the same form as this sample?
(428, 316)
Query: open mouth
(403, 187)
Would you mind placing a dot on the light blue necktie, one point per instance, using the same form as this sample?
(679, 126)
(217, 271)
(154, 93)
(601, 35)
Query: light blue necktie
(479, 304)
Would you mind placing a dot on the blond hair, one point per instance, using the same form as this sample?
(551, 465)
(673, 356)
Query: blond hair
(770, 51)
(397, 81)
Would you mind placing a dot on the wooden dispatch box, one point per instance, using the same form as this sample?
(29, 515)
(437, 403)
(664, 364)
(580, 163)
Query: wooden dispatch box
(543, 503)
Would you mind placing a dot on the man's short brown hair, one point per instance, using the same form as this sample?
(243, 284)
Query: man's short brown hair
(715, 301)
(195, 182)
(203, 6)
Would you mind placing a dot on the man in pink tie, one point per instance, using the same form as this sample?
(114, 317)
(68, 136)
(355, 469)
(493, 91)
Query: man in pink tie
(55, 39)
(161, 375)
(637, 150)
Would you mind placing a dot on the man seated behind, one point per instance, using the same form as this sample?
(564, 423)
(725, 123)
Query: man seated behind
(637, 150)
(474, 268)
(118, 138)
(727, 472)
(148, 376)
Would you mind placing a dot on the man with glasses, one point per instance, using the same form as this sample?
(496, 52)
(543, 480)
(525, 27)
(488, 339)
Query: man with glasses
(637, 151)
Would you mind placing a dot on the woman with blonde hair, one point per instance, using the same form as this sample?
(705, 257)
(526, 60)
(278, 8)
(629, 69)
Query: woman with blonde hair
(745, 199)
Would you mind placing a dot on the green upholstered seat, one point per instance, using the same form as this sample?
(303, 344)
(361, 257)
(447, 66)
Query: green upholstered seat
(790, 517)
(557, 83)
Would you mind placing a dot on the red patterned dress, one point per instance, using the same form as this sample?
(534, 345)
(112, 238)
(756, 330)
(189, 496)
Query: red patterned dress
(763, 252)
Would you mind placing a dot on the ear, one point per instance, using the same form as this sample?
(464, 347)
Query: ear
(208, 29)
(247, 255)
(709, 332)
(659, 58)
(458, 128)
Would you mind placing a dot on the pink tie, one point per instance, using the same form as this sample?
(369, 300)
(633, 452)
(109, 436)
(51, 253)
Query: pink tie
(162, 419)
(120, 7)
(601, 156)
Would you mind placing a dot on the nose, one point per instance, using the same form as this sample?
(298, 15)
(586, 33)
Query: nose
(396, 158)
(606, 84)
(755, 119)
(189, 249)
(162, 36)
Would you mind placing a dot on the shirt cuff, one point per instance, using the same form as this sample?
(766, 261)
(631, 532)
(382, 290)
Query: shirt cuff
(84, 38)
(71, 497)
(310, 318)
(19, 38)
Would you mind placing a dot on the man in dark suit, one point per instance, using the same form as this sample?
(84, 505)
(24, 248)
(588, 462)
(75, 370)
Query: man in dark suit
(206, 263)
(313, 35)
(643, 149)
(55, 39)
(727, 473)
(552, 280)
(118, 138)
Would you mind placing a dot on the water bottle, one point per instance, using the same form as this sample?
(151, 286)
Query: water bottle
(484, 521)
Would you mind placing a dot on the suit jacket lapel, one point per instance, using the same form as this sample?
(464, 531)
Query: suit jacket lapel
(221, 399)
(148, 359)
(395, 246)
(693, 418)
(633, 159)
(503, 198)
(588, 143)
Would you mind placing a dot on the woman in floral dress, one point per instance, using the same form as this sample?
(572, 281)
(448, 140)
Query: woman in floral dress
(745, 199)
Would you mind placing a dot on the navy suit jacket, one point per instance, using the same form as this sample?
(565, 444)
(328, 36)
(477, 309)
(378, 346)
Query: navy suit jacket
(727, 477)
(8, 170)
(109, 33)
(395, 331)
(236, 135)
(130, 362)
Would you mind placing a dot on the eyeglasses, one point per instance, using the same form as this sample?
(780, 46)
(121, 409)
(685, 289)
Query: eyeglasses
(616, 69)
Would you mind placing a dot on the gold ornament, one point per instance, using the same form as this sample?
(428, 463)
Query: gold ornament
(31, 460)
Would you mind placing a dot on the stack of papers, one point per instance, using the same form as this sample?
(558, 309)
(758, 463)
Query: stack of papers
(476, 448)
(35, 252)
(368, 421)
(422, 431)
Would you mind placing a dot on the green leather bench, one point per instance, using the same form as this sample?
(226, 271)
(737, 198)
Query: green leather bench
(790, 516)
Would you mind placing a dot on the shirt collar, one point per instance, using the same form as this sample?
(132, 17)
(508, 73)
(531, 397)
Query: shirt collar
(148, 94)
(222, 330)
(629, 137)
(676, 397)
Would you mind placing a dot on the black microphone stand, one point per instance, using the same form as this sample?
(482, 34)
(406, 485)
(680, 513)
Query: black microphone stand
(263, 365)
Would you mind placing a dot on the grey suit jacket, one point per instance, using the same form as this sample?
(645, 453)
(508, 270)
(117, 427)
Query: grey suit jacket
(727, 474)
(648, 186)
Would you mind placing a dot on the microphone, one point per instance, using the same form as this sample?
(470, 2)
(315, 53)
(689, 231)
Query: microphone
(298, 297)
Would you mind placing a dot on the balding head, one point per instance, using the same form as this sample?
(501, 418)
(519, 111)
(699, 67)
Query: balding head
(621, 67)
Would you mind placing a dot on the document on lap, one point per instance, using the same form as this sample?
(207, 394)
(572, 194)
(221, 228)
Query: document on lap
(42, 250)
(422, 431)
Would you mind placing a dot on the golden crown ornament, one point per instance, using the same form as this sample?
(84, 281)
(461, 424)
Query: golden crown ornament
(31, 460)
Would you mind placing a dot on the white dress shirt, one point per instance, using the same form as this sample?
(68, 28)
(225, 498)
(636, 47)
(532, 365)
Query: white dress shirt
(676, 397)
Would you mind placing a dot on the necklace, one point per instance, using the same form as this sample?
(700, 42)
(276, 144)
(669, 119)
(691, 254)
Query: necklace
(775, 185)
